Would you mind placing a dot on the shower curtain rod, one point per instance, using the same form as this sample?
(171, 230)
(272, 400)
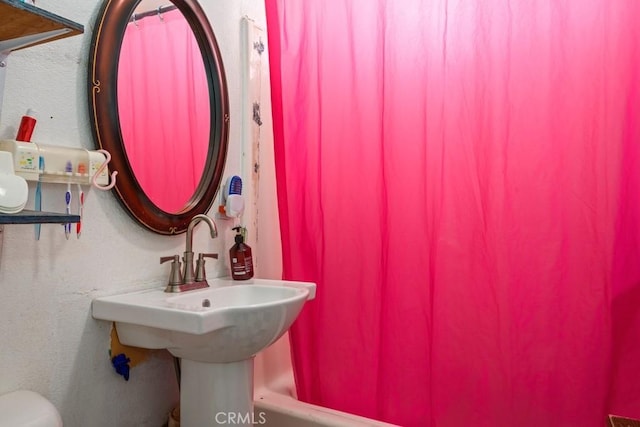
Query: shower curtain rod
(155, 12)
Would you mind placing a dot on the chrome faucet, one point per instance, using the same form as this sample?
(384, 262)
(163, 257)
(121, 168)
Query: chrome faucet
(189, 273)
(190, 278)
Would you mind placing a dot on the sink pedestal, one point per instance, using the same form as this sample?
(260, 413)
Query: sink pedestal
(215, 331)
(216, 394)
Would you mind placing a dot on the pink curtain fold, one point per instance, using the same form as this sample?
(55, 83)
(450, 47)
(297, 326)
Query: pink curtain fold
(163, 106)
(462, 181)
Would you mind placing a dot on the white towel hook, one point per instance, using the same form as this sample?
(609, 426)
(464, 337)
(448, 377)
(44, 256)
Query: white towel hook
(99, 171)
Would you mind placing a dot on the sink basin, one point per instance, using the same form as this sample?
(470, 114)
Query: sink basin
(215, 332)
(229, 321)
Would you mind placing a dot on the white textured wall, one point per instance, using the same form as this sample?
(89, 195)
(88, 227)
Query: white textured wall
(48, 341)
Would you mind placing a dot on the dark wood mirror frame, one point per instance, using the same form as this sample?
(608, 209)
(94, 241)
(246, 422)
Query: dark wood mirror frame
(103, 70)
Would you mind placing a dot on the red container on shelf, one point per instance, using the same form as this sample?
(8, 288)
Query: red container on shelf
(27, 124)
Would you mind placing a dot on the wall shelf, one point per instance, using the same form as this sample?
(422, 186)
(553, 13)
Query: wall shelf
(24, 25)
(33, 217)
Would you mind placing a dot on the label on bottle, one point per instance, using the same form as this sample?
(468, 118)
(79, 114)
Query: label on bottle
(239, 264)
(248, 265)
(242, 266)
(238, 268)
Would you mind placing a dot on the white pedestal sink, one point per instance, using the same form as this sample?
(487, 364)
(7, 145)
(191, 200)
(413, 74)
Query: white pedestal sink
(216, 332)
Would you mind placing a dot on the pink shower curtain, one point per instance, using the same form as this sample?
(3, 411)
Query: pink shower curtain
(163, 106)
(462, 180)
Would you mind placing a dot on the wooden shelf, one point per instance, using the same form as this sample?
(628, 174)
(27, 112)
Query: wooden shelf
(21, 20)
(33, 217)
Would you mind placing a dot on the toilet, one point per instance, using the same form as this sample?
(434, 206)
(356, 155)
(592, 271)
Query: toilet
(25, 408)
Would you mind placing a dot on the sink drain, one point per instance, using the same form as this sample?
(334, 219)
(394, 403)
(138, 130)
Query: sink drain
(206, 303)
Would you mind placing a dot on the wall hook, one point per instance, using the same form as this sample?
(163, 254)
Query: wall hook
(99, 171)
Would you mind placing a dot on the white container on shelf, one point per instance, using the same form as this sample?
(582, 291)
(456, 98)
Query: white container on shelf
(25, 158)
(62, 165)
(14, 190)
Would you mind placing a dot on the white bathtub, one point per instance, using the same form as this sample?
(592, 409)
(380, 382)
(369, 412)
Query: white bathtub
(275, 404)
(273, 409)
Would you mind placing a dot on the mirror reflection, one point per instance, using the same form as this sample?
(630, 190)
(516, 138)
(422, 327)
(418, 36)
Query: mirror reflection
(167, 133)
(163, 104)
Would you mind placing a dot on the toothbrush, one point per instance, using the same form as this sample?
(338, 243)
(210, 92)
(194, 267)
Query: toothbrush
(234, 203)
(81, 170)
(234, 185)
(80, 210)
(38, 201)
(67, 198)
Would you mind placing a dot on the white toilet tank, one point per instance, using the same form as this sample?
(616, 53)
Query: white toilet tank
(27, 409)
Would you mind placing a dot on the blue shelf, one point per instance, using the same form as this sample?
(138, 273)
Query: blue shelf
(33, 217)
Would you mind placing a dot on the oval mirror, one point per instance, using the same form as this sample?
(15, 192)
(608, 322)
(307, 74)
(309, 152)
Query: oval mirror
(159, 105)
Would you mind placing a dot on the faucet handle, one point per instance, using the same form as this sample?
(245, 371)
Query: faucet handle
(201, 274)
(175, 277)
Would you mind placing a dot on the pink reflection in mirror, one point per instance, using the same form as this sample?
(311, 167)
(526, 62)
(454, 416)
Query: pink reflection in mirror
(163, 107)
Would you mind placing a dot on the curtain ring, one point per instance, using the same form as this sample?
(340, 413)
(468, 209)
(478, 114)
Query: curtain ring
(160, 13)
(134, 19)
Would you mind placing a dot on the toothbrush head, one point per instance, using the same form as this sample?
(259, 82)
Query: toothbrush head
(68, 167)
(234, 185)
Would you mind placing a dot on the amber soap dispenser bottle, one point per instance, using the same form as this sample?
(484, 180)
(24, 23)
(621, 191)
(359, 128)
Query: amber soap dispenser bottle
(240, 257)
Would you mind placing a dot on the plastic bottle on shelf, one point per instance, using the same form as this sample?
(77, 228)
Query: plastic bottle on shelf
(27, 124)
